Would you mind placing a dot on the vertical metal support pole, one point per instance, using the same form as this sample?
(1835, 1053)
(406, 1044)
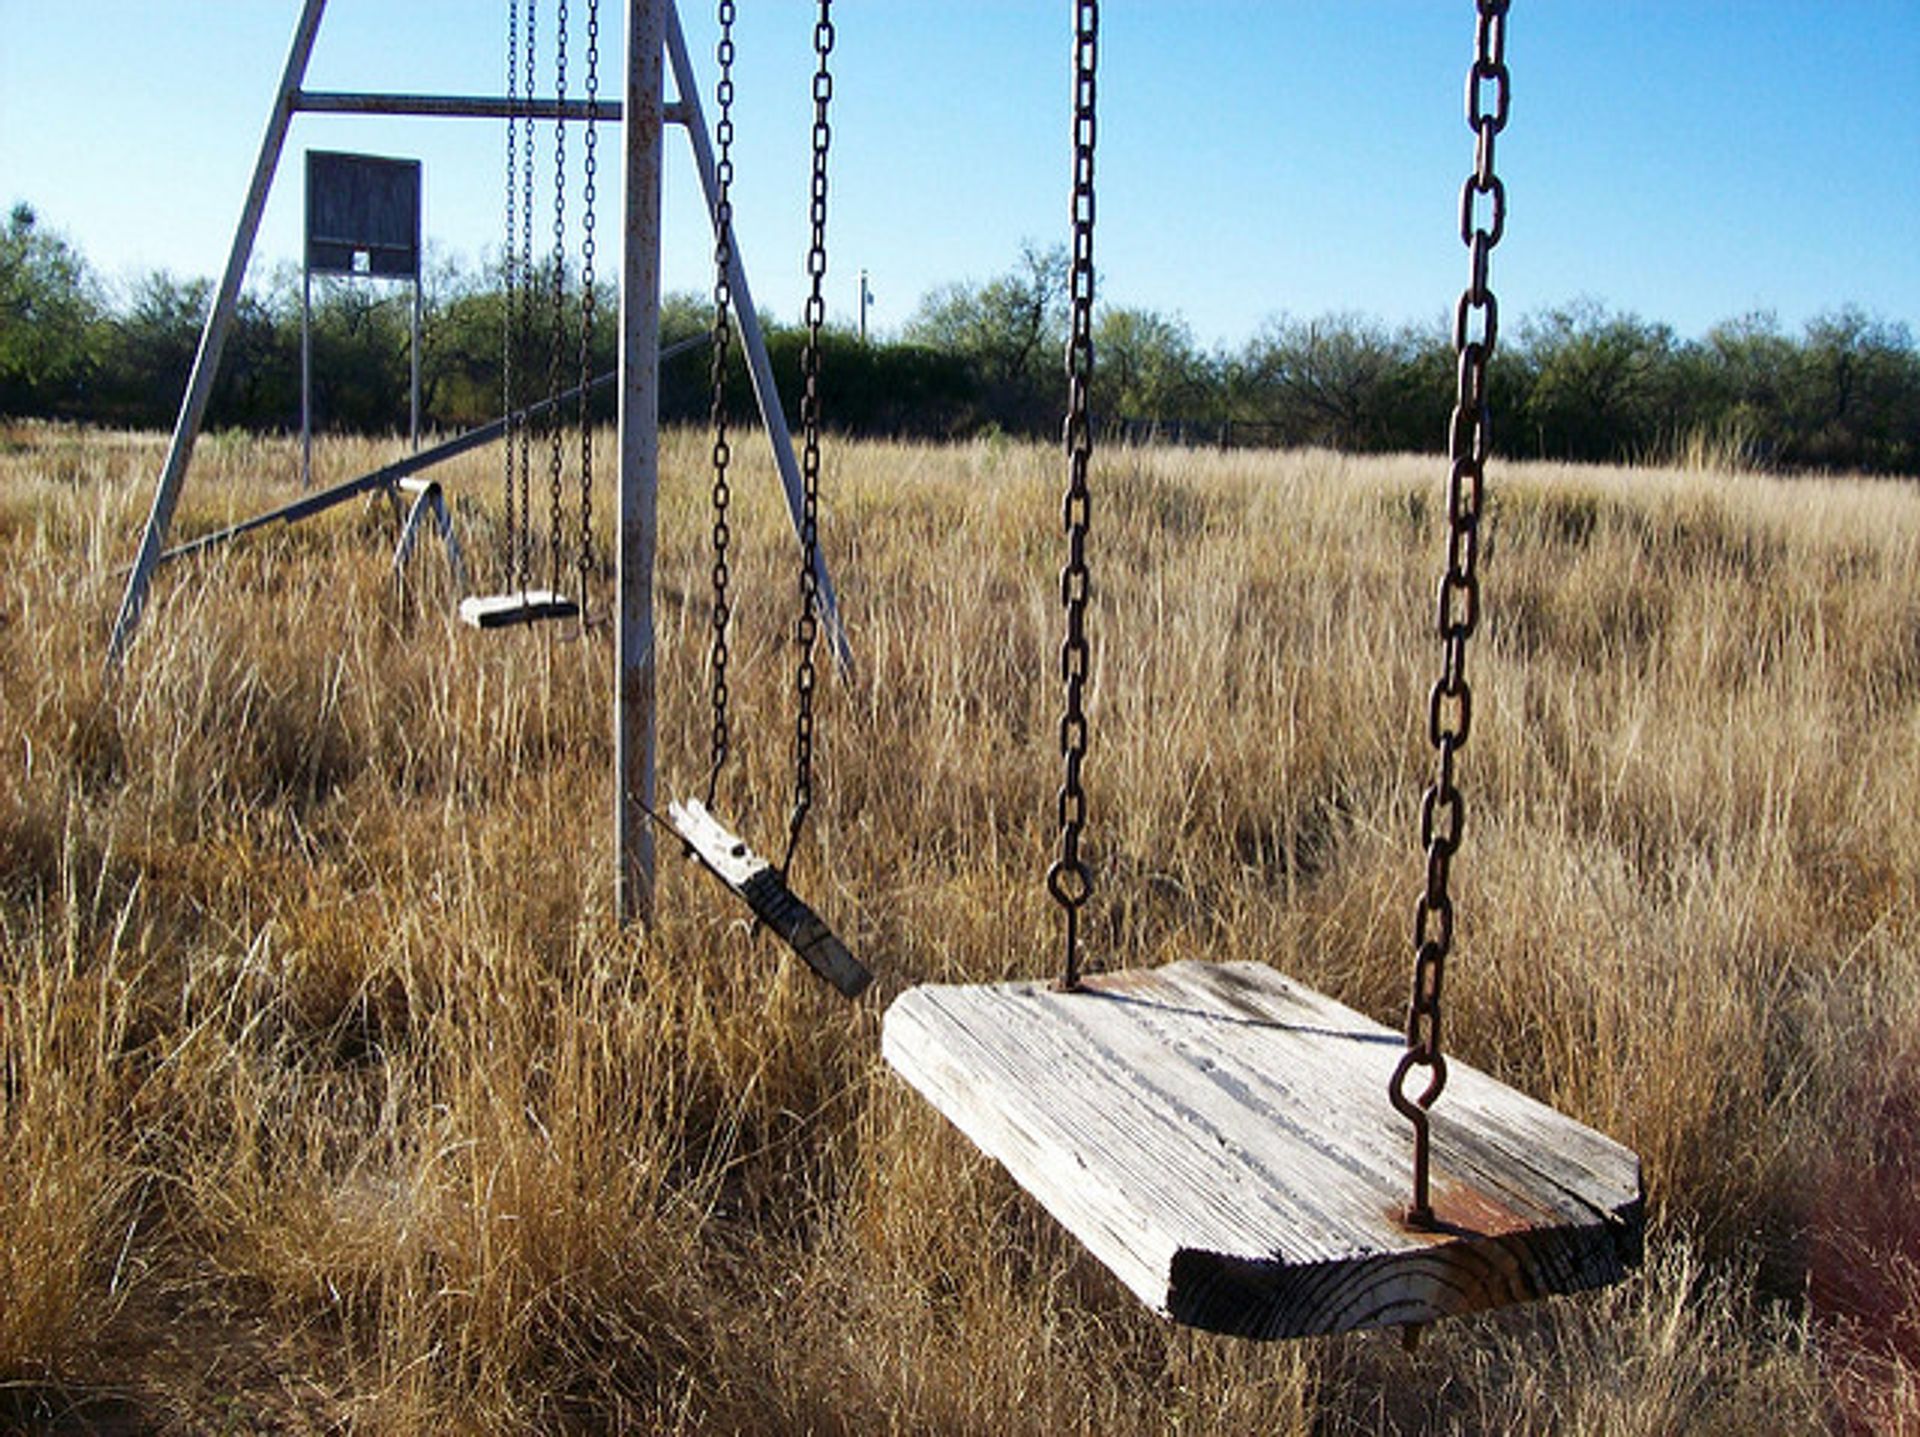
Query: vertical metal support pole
(213, 338)
(759, 366)
(639, 460)
(306, 371)
(413, 423)
(419, 266)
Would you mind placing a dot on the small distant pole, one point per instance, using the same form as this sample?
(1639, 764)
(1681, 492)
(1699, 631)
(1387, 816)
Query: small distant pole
(306, 369)
(866, 298)
(413, 406)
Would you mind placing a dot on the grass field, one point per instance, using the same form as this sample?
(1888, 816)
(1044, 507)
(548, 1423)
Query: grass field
(333, 1098)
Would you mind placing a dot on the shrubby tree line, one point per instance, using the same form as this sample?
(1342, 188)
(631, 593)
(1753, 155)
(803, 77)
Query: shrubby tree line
(1579, 382)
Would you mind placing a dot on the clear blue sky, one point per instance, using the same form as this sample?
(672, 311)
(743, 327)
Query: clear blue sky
(1688, 161)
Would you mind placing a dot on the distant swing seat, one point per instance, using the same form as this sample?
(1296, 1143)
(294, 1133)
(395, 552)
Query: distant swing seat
(529, 606)
(1218, 1137)
(762, 888)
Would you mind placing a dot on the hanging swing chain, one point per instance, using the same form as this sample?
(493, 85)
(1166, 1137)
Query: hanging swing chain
(1069, 880)
(510, 280)
(807, 630)
(556, 353)
(520, 539)
(588, 301)
(1450, 705)
(719, 654)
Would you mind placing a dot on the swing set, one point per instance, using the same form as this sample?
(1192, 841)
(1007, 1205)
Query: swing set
(1233, 1146)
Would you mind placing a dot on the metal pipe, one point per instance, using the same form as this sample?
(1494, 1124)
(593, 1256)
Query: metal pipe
(468, 107)
(456, 107)
(391, 474)
(759, 365)
(633, 727)
(213, 338)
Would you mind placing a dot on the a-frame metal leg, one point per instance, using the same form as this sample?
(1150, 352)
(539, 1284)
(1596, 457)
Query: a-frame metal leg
(213, 338)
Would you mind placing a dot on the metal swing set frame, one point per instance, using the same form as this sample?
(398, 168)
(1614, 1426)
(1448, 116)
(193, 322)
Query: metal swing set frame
(655, 44)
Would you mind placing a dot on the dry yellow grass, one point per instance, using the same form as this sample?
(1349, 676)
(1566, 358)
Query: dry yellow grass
(332, 1095)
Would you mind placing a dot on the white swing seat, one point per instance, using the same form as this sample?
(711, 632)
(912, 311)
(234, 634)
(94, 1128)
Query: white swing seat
(527, 606)
(1220, 1138)
(760, 885)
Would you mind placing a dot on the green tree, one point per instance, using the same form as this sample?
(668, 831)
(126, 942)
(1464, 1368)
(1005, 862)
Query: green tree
(1734, 383)
(49, 312)
(1337, 380)
(148, 349)
(1146, 365)
(1012, 330)
(1854, 395)
(1603, 387)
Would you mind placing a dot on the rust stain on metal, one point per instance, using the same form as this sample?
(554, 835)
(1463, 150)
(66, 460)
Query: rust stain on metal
(1463, 1211)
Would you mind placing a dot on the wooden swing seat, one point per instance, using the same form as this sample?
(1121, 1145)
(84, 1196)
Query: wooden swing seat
(760, 885)
(1220, 1138)
(528, 606)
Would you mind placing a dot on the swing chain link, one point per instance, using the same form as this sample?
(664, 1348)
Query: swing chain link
(1069, 880)
(588, 302)
(807, 630)
(720, 654)
(510, 280)
(1450, 702)
(556, 353)
(521, 540)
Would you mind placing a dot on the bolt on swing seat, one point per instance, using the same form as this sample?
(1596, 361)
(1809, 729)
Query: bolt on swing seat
(1215, 1135)
(763, 888)
(527, 606)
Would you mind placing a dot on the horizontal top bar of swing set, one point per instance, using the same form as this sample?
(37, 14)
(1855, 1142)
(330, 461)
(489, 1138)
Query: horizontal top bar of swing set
(466, 107)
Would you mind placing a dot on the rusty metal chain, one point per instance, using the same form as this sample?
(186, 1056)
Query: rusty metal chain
(719, 654)
(807, 630)
(1069, 881)
(556, 354)
(1450, 702)
(521, 538)
(588, 301)
(510, 282)
(588, 304)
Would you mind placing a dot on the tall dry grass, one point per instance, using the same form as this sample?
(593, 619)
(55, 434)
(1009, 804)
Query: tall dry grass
(334, 1097)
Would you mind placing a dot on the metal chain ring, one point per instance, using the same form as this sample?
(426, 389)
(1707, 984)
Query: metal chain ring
(1450, 703)
(1069, 880)
(807, 630)
(720, 654)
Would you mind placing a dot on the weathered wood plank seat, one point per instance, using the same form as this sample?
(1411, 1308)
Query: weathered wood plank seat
(1220, 1138)
(529, 606)
(762, 888)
